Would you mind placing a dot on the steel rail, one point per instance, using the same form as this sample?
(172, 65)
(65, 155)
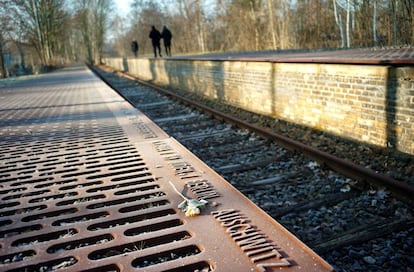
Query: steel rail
(400, 190)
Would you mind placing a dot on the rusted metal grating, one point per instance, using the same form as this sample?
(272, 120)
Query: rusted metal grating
(389, 56)
(84, 186)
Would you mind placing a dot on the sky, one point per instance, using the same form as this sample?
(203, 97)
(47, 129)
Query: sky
(123, 6)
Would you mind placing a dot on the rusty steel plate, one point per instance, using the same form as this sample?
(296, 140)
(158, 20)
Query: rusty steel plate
(86, 184)
(381, 56)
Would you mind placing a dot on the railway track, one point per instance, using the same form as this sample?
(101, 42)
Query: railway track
(355, 225)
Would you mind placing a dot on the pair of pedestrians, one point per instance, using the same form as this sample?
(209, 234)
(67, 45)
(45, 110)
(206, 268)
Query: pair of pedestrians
(156, 37)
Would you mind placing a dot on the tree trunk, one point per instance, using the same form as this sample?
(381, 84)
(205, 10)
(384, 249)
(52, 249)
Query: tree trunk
(394, 8)
(256, 30)
(338, 20)
(374, 24)
(272, 26)
(200, 32)
(348, 37)
(38, 31)
(3, 67)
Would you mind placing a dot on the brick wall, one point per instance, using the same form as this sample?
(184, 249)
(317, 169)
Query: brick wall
(372, 104)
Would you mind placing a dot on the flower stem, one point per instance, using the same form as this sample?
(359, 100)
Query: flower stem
(175, 189)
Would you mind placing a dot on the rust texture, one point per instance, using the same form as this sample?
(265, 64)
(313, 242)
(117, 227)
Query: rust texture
(85, 185)
(373, 56)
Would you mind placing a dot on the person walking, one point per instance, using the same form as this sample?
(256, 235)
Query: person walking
(155, 36)
(134, 47)
(167, 36)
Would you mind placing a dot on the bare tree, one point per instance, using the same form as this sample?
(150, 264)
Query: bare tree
(59, 29)
(338, 20)
(143, 15)
(285, 37)
(374, 23)
(93, 24)
(348, 19)
(199, 25)
(271, 21)
(192, 12)
(42, 22)
(402, 18)
(226, 25)
(409, 14)
(6, 26)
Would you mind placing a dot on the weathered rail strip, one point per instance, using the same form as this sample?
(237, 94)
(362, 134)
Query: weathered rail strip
(316, 204)
(367, 56)
(89, 183)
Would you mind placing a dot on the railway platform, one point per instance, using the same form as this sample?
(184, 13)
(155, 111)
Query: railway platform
(89, 183)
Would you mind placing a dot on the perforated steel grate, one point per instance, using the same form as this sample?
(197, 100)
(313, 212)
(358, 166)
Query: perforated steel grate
(84, 187)
(65, 165)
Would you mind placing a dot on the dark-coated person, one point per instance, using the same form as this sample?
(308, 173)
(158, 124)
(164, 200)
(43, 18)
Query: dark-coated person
(155, 36)
(134, 47)
(167, 36)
